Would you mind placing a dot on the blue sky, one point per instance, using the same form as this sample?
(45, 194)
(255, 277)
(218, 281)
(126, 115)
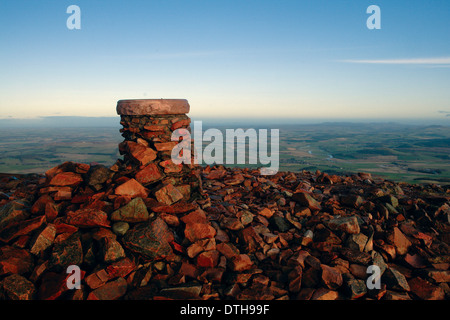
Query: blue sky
(242, 58)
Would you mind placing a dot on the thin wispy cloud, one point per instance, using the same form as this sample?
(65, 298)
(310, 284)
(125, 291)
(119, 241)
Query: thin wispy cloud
(443, 61)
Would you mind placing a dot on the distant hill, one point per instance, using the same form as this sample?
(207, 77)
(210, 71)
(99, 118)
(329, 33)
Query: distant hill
(78, 121)
(61, 122)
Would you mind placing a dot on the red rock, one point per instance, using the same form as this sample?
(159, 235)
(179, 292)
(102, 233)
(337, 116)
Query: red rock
(112, 250)
(97, 176)
(197, 231)
(86, 218)
(155, 127)
(81, 198)
(197, 216)
(250, 239)
(439, 276)
(357, 242)
(152, 107)
(399, 241)
(165, 146)
(185, 190)
(64, 227)
(303, 212)
(12, 213)
(355, 256)
(63, 194)
(415, 261)
(120, 201)
(168, 194)
(231, 223)
(427, 239)
(235, 179)
(13, 260)
(170, 219)
(324, 294)
(170, 167)
(132, 188)
(62, 237)
(212, 275)
(54, 189)
(122, 179)
(208, 259)
(266, 212)
(241, 262)
(38, 271)
(221, 235)
(151, 240)
(295, 279)
(67, 166)
(346, 224)
(177, 247)
(228, 250)
(150, 135)
(120, 268)
(386, 248)
(143, 155)
(21, 228)
(110, 291)
(44, 240)
(149, 174)
(17, 287)
(66, 179)
(66, 253)
(306, 200)
(425, 290)
(354, 201)
(101, 233)
(216, 174)
(51, 211)
(189, 270)
(40, 204)
(194, 249)
(54, 285)
(331, 277)
(358, 270)
(134, 211)
(356, 288)
(298, 258)
(180, 123)
(395, 280)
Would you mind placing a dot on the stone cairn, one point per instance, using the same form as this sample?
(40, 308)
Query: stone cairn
(148, 125)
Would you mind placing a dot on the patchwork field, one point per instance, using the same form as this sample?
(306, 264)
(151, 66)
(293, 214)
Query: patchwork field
(399, 152)
(415, 154)
(34, 150)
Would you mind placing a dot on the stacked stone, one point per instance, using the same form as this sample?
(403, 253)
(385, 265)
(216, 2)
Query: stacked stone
(148, 125)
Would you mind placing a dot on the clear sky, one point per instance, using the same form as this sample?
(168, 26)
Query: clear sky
(229, 58)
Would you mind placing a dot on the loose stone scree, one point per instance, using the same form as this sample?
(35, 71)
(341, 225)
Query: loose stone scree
(148, 125)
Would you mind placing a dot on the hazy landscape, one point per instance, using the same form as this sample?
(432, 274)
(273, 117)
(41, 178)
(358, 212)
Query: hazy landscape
(401, 152)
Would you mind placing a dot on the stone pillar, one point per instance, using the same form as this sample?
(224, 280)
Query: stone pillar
(147, 128)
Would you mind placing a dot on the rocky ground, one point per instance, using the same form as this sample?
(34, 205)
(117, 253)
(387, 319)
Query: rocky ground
(308, 236)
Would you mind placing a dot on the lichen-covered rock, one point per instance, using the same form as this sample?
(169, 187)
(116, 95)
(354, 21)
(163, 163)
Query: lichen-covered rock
(150, 239)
